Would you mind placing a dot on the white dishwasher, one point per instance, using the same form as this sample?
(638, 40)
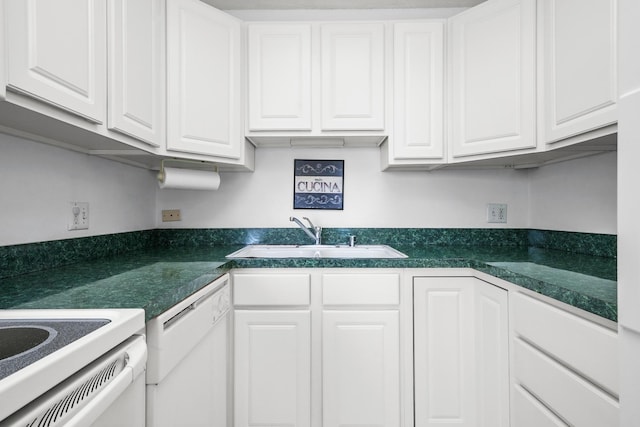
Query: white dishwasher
(187, 374)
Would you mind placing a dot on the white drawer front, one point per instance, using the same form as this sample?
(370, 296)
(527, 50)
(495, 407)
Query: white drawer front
(527, 411)
(574, 399)
(360, 289)
(586, 347)
(271, 289)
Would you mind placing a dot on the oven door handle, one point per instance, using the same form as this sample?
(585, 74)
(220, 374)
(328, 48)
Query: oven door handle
(136, 356)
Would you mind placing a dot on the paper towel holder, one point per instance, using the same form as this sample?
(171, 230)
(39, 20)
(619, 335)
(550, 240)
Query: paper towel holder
(161, 175)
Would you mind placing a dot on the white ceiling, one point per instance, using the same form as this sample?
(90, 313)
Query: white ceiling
(339, 4)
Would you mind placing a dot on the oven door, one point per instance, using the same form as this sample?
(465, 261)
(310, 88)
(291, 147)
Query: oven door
(108, 392)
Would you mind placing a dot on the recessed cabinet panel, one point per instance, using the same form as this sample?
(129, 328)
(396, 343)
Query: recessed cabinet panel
(203, 80)
(492, 354)
(57, 53)
(352, 57)
(444, 376)
(418, 90)
(461, 353)
(272, 368)
(361, 368)
(136, 69)
(279, 77)
(579, 66)
(493, 78)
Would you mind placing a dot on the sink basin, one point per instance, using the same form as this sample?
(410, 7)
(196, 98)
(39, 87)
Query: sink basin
(317, 251)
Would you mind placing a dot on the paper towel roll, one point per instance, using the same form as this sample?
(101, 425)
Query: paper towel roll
(189, 179)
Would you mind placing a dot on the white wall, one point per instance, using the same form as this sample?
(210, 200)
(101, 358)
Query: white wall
(38, 182)
(443, 198)
(578, 195)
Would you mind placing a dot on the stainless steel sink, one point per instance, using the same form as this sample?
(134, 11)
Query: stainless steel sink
(317, 251)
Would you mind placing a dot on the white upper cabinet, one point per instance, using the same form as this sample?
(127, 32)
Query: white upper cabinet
(418, 91)
(279, 71)
(316, 79)
(137, 69)
(56, 53)
(204, 80)
(578, 81)
(493, 78)
(352, 57)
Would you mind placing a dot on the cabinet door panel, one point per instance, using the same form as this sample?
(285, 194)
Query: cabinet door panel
(493, 78)
(461, 353)
(273, 368)
(444, 377)
(203, 79)
(492, 354)
(352, 76)
(418, 90)
(57, 53)
(361, 368)
(579, 66)
(136, 67)
(279, 77)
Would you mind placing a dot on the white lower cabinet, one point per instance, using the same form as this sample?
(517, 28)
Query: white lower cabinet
(272, 368)
(564, 367)
(460, 352)
(401, 348)
(361, 368)
(308, 354)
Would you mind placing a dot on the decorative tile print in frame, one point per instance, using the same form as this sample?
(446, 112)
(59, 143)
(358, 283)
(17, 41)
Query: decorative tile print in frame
(318, 184)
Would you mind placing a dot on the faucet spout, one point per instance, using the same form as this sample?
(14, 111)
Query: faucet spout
(316, 234)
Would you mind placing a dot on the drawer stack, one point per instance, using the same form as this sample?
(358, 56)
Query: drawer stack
(564, 367)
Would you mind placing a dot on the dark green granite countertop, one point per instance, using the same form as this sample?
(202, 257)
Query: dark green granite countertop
(157, 279)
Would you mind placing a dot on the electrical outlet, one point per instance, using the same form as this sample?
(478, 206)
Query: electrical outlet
(79, 218)
(171, 215)
(496, 213)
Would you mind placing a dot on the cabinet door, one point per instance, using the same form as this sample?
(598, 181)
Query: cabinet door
(57, 53)
(418, 102)
(137, 69)
(461, 358)
(579, 66)
(203, 73)
(279, 77)
(361, 368)
(493, 78)
(491, 321)
(272, 368)
(352, 57)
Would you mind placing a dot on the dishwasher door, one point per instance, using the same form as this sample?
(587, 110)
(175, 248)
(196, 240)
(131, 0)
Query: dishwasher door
(188, 377)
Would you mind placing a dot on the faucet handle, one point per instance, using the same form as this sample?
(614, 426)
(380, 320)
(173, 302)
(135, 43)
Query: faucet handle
(309, 221)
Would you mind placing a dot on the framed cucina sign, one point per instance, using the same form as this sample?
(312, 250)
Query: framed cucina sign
(318, 184)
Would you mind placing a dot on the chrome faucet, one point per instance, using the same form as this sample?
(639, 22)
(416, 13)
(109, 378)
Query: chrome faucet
(317, 231)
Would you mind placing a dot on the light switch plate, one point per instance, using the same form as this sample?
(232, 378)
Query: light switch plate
(171, 215)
